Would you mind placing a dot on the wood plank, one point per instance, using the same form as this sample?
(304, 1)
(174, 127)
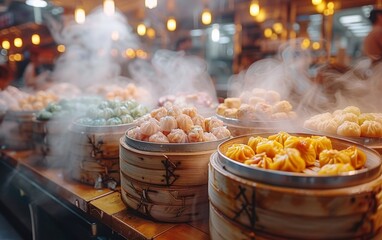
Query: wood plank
(103, 208)
(183, 232)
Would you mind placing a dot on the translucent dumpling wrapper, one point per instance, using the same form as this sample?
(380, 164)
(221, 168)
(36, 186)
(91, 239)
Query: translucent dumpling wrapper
(158, 137)
(321, 143)
(290, 161)
(150, 127)
(184, 122)
(304, 146)
(135, 133)
(357, 156)
(364, 117)
(221, 132)
(371, 129)
(190, 111)
(213, 122)
(253, 141)
(349, 129)
(199, 120)
(240, 152)
(350, 117)
(279, 137)
(168, 123)
(328, 126)
(270, 148)
(208, 137)
(177, 136)
(335, 169)
(159, 113)
(352, 109)
(196, 134)
(332, 157)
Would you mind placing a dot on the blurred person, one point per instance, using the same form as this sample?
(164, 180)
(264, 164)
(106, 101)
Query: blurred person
(37, 74)
(372, 45)
(184, 44)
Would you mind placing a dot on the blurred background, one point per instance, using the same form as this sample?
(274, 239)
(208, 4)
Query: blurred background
(229, 35)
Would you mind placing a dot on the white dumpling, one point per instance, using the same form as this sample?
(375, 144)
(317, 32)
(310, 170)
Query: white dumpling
(282, 106)
(263, 111)
(272, 97)
(349, 129)
(350, 117)
(371, 129)
(328, 126)
(352, 109)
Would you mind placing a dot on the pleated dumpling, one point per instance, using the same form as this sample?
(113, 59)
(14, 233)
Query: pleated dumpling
(260, 160)
(279, 137)
(357, 156)
(158, 137)
(240, 152)
(304, 146)
(321, 143)
(349, 129)
(352, 109)
(270, 148)
(371, 129)
(335, 169)
(333, 156)
(177, 136)
(290, 161)
(253, 141)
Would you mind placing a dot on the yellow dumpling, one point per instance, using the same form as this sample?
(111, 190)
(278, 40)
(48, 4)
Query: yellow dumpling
(357, 157)
(335, 169)
(253, 141)
(321, 143)
(279, 137)
(304, 146)
(240, 152)
(290, 161)
(270, 148)
(352, 109)
(260, 160)
(332, 157)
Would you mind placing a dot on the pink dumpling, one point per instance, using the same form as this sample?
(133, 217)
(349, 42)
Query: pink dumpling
(168, 123)
(184, 122)
(221, 132)
(208, 137)
(177, 136)
(199, 120)
(159, 113)
(213, 122)
(135, 133)
(158, 137)
(196, 134)
(190, 111)
(150, 127)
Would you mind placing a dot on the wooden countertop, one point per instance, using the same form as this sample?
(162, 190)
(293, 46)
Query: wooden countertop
(103, 204)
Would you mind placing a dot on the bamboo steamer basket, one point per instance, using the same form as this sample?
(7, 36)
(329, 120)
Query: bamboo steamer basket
(283, 212)
(94, 154)
(166, 182)
(50, 139)
(17, 130)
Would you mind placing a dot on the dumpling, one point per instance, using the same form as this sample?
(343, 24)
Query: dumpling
(357, 156)
(335, 169)
(184, 122)
(199, 120)
(230, 113)
(321, 143)
(263, 111)
(246, 112)
(177, 136)
(240, 152)
(135, 133)
(260, 160)
(328, 126)
(232, 102)
(371, 129)
(255, 100)
(333, 156)
(352, 109)
(150, 127)
(159, 113)
(304, 146)
(272, 97)
(341, 118)
(196, 134)
(190, 111)
(213, 122)
(282, 106)
(253, 141)
(158, 137)
(280, 116)
(270, 148)
(311, 124)
(279, 137)
(174, 110)
(221, 109)
(290, 161)
(365, 116)
(221, 132)
(208, 137)
(168, 123)
(349, 129)
(259, 92)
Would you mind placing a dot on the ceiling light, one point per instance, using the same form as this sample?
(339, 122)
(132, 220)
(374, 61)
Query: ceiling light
(18, 42)
(206, 17)
(6, 44)
(141, 29)
(79, 15)
(151, 33)
(61, 48)
(254, 8)
(36, 3)
(316, 2)
(108, 7)
(171, 24)
(268, 32)
(150, 4)
(35, 39)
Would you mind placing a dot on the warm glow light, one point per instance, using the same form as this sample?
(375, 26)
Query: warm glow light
(329, 9)
(316, 2)
(18, 42)
(277, 27)
(141, 29)
(130, 53)
(6, 44)
(274, 36)
(268, 32)
(262, 16)
(115, 35)
(11, 58)
(171, 24)
(18, 57)
(151, 33)
(108, 7)
(79, 15)
(61, 48)
(35, 39)
(316, 45)
(206, 17)
(141, 54)
(305, 43)
(150, 4)
(254, 8)
(330, 5)
(321, 7)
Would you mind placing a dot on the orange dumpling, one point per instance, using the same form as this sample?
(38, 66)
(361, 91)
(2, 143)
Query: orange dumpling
(335, 169)
(270, 148)
(290, 161)
(304, 146)
(357, 157)
(240, 152)
(253, 141)
(279, 137)
(332, 157)
(260, 160)
(321, 143)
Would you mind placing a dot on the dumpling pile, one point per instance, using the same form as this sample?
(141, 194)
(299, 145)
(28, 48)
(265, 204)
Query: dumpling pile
(285, 152)
(172, 124)
(35, 102)
(258, 104)
(348, 122)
